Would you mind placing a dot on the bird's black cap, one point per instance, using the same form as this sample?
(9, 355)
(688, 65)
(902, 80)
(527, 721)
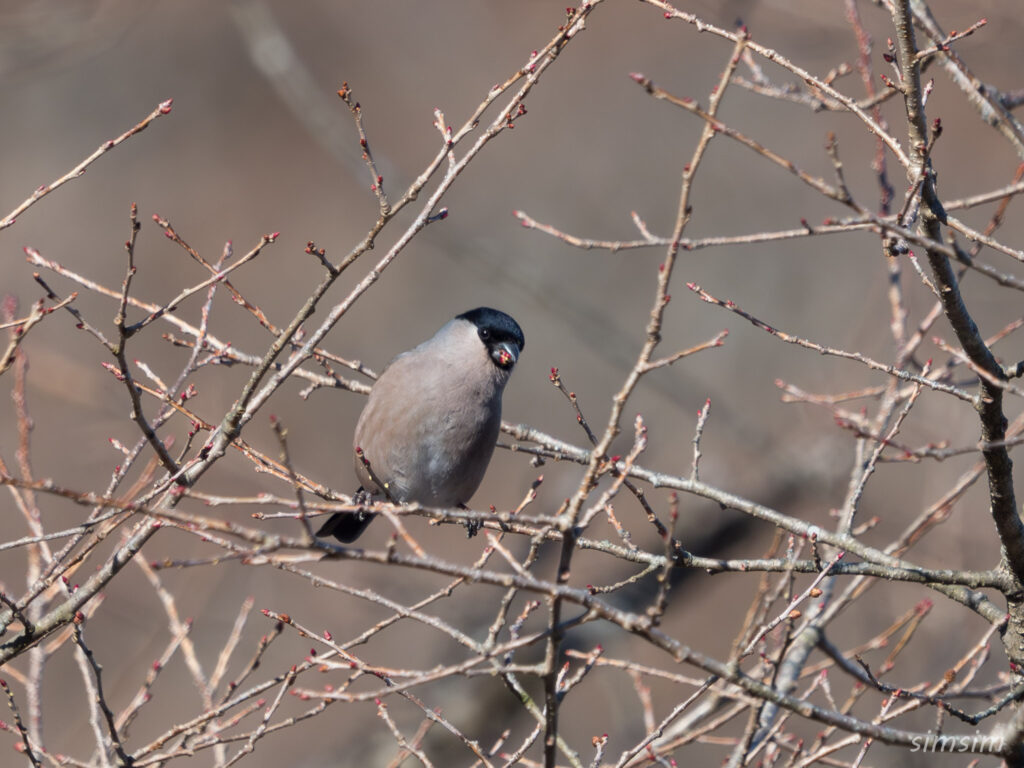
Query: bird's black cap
(495, 325)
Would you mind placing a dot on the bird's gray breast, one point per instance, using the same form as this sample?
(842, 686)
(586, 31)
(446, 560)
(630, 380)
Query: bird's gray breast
(429, 430)
(457, 446)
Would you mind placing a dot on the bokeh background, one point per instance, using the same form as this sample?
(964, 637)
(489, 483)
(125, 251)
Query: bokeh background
(258, 142)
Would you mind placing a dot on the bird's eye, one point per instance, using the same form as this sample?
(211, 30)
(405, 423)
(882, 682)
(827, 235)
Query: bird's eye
(485, 334)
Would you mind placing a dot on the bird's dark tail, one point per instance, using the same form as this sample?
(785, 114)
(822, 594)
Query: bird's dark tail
(346, 527)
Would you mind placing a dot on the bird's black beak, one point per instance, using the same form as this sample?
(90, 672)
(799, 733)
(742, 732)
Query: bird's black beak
(505, 354)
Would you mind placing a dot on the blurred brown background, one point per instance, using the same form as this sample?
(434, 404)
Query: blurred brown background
(259, 142)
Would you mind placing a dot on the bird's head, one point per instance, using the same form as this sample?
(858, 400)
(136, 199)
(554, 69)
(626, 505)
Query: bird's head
(500, 334)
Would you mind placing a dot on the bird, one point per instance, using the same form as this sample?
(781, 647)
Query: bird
(431, 422)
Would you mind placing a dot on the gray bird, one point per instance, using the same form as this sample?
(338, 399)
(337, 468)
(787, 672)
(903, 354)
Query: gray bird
(428, 429)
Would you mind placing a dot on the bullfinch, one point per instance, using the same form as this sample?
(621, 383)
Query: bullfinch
(430, 424)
